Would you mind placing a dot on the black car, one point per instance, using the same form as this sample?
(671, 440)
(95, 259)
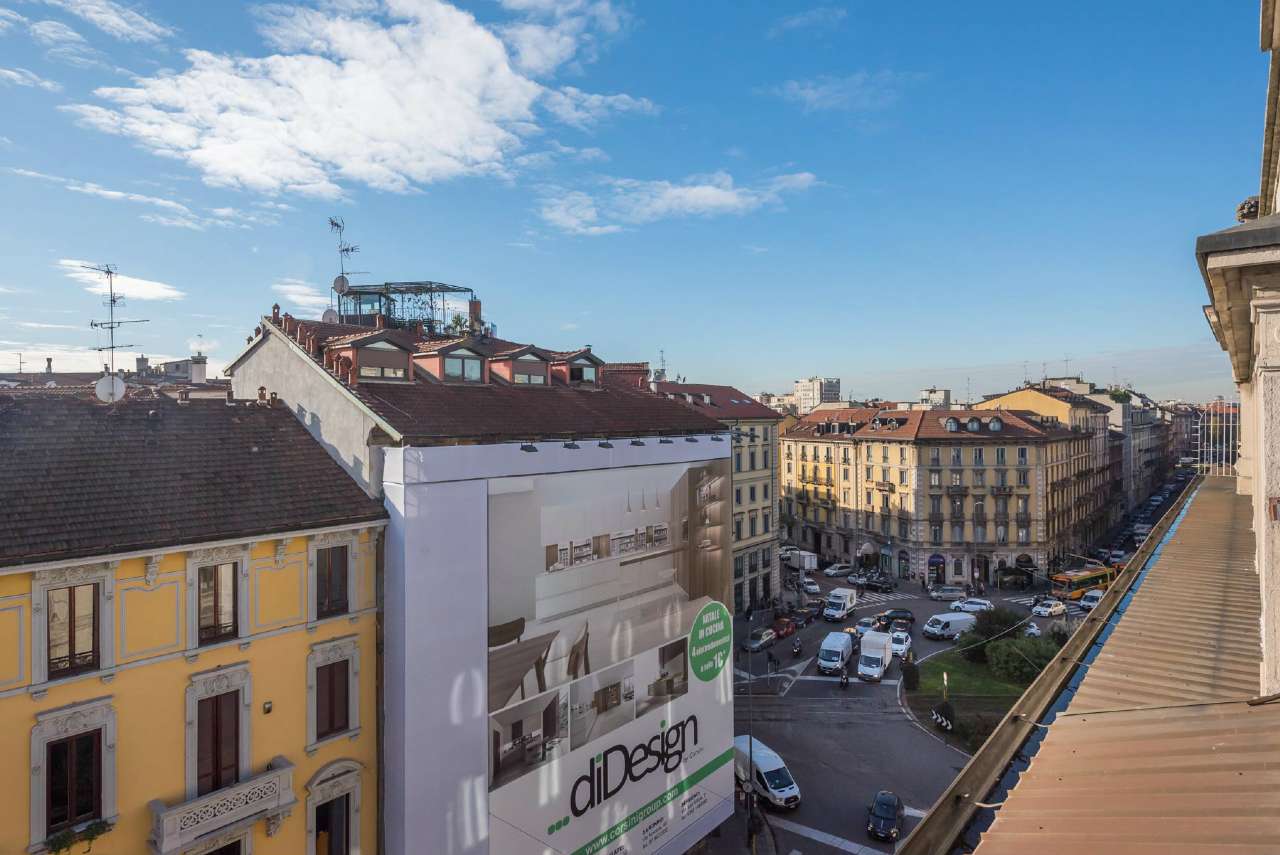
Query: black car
(890, 615)
(883, 584)
(884, 816)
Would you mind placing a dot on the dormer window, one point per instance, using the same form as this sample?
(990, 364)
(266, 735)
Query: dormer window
(995, 424)
(582, 371)
(381, 373)
(463, 365)
(529, 370)
(953, 426)
(975, 425)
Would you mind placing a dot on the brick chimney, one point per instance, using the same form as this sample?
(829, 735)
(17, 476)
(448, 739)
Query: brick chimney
(48, 365)
(275, 313)
(473, 315)
(262, 396)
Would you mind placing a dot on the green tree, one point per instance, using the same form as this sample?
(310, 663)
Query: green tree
(997, 623)
(1020, 660)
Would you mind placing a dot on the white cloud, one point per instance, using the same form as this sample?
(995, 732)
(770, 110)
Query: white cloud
(631, 201)
(202, 345)
(582, 109)
(302, 294)
(819, 16)
(36, 325)
(176, 214)
(755, 249)
(115, 20)
(862, 91)
(23, 77)
(414, 93)
(10, 19)
(54, 32)
(569, 327)
(126, 286)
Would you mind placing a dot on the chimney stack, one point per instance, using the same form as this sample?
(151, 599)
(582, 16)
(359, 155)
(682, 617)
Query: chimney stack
(184, 396)
(231, 398)
(262, 395)
(275, 313)
(274, 399)
(380, 321)
(473, 315)
(48, 365)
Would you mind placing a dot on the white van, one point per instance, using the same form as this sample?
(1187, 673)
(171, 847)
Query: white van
(949, 625)
(840, 603)
(1091, 599)
(835, 651)
(770, 778)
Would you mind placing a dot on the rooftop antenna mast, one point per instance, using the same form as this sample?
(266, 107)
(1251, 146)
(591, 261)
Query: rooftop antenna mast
(111, 324)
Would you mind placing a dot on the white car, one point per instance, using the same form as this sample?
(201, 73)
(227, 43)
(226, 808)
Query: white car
(1091, 599)
(1050, 608)
(837, 570)
(811, 587)
(1032, 631)
(901, 643)
(972, 604)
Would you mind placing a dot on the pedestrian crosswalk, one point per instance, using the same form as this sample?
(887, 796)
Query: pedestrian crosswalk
(872, 598)
(1073, 607)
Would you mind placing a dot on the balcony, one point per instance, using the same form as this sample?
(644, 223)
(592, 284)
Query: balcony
(266, 796)
(957, 490)
(885, 486)
(1022, 519)
(935, 519)
(1005, 490)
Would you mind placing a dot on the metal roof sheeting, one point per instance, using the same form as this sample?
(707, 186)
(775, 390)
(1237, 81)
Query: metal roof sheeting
(1158, 751)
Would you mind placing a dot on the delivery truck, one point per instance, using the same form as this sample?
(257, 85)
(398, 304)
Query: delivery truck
(834, 654)
(840, 603)
(876, 654)
(804, 562)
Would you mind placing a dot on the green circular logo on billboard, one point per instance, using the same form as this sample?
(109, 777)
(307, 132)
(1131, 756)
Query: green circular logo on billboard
(710, 641)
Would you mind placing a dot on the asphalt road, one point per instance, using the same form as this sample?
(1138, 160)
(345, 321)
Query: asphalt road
(841, 745)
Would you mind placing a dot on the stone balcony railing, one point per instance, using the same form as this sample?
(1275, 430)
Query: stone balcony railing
(269, 796)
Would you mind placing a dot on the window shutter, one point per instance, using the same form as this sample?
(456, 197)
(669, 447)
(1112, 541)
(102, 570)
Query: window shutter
(340, 696)
(228, 738)
(206, 732)
(324, 701)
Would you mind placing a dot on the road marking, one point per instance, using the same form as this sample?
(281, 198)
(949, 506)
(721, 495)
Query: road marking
(916, 812)
(838, 843)
(820, 678)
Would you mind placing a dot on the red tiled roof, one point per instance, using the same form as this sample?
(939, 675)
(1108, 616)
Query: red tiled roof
(84, 479)
(726, 402)
(912, 425)
(430, 411)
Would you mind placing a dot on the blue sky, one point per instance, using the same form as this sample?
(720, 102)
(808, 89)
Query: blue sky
(896, 194)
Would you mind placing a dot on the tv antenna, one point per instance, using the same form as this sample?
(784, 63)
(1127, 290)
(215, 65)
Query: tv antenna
(110, 324)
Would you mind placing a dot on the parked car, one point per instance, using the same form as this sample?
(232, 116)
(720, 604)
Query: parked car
(972, 604)
(1091, 599)
(759, 639)
(1118, 556)
(880, 583)
(1050, 608)
(811, 587)
(901, 642)
(1031, 630)
(837, 570)
(782, 627)
(946, 592)
(900, 626)
(864, 625)
(884, 816)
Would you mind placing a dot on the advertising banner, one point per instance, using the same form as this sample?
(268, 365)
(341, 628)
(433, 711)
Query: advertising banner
(610, 648)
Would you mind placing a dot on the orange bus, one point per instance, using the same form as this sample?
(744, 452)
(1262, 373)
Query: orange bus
(1073, 584)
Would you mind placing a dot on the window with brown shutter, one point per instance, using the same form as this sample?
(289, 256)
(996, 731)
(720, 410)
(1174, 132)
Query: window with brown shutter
(73, 630)
(74, 780)
(331, 581)
(218, 742)
(217, 603)
(332, 710)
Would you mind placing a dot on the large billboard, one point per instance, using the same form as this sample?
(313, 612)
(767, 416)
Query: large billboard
(609, 685)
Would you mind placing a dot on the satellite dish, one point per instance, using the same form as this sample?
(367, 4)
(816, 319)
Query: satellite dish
(340, 284)
(109, 388)
(329, 316)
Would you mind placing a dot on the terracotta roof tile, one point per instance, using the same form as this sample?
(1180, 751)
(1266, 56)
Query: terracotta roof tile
(84, 478)
(726, 402)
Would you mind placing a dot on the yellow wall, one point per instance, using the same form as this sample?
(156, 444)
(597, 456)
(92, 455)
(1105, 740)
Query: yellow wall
(153, 670)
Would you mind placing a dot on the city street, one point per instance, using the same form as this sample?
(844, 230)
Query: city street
(841, 745)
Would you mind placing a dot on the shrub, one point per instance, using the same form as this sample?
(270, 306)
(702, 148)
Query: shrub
(1059, 634)
(996, 622)
(1019, 660)
(910, 675)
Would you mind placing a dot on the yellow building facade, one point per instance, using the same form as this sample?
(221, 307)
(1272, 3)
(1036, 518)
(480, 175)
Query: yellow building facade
(947, 496)
(209, 697)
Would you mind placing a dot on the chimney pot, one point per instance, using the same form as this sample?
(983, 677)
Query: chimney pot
(275, 313)
(248, 339)
(274, 399)
(380, 321)
(48, 365)
(262, 393)
(184, 396)
(231, 400)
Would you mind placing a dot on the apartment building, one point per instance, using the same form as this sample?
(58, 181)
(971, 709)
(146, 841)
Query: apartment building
(755, 484)
(944, 495)
(814, 391)
(187, 631)
(1079, 502)
(557, 566)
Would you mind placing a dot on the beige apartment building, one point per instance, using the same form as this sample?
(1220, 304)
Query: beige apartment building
(1079, 499)
(755, 483)
(957, 496)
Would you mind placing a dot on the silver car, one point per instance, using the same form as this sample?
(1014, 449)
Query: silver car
(946, 592)
(972, 604)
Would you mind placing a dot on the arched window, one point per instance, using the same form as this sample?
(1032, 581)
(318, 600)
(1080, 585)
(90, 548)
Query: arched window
(996, 424)
(953, 425)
